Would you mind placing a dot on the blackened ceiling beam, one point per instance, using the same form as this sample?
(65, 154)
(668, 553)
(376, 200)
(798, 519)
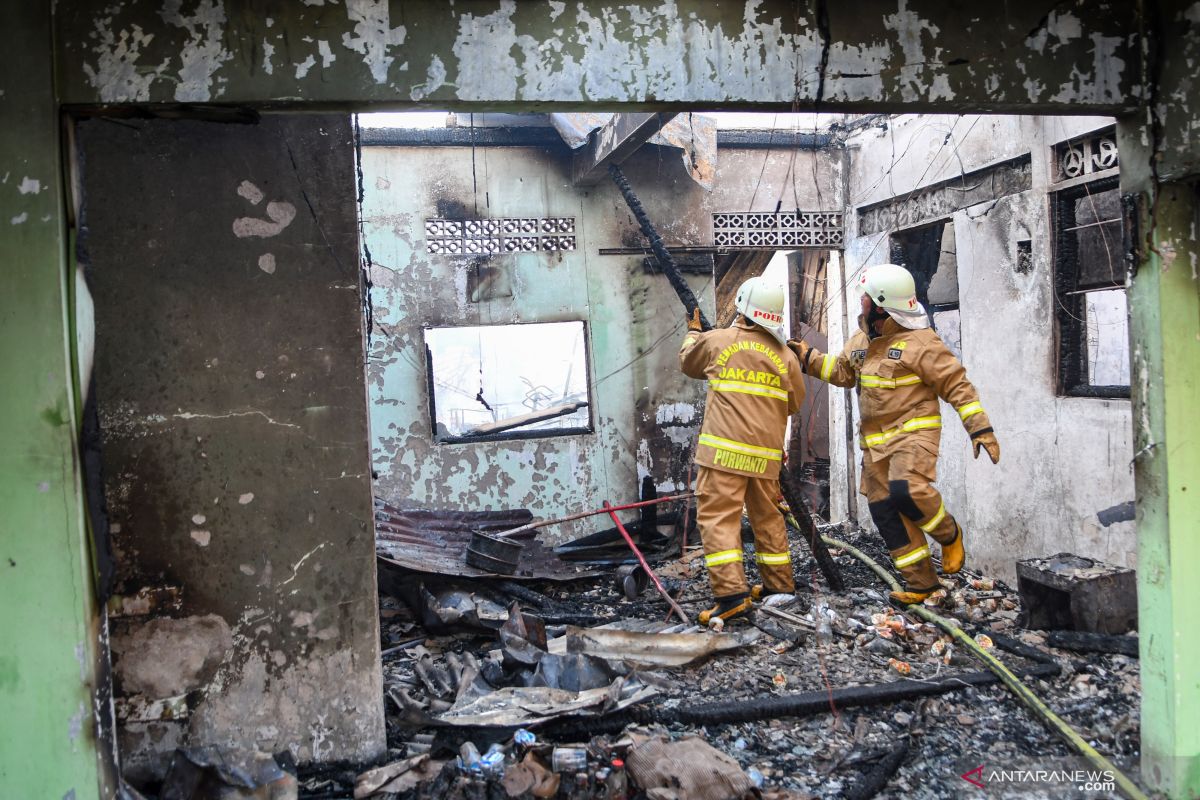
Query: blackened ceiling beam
(616, 141)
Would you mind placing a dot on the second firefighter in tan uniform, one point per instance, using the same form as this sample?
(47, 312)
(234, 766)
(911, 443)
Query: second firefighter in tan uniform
(901, 368)
(754, 385)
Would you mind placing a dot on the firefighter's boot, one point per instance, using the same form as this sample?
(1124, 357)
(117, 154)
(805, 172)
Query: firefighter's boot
(909, 597)
(758, 592)
(953, 554)
(727, 608)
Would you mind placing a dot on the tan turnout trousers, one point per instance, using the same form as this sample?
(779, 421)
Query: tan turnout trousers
(905, 506)
(721, 496)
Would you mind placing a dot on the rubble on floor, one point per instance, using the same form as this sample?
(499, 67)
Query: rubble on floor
(800, 703)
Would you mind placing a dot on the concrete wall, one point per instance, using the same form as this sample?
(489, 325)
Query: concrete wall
(627, 340)
(230, 390)
(1063, 458)
(645, 412)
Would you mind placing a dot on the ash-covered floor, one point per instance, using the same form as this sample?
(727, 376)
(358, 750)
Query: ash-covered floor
(828, 754)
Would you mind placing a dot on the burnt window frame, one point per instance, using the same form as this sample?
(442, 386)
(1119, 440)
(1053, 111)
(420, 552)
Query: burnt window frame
(898, 254)
(509, 435)
(1070, 309)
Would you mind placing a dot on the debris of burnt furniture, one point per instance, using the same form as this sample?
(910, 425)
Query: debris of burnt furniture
(1069, 592)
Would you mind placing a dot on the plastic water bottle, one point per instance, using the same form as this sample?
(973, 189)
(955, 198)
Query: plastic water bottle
(617, 785)
(821, 618)
(492, 762)
(468, 759)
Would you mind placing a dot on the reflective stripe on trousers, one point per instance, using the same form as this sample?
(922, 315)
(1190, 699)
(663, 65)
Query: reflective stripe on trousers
(722, 557)
(911, 558)
(931, 526)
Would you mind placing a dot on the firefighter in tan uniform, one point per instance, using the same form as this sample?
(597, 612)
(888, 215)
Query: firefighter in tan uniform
(901, 368)
(754, 385)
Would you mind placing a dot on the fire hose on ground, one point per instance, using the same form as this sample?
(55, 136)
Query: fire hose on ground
(1011, 681)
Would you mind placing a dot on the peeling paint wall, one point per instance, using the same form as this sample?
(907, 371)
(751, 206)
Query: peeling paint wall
(646, 413)
(230, 392)
(898, 53)
(1063, 458)
(1173, 127)
(631, 328)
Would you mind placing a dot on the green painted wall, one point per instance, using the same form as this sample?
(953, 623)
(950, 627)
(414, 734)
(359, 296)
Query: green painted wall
(1165, 332)
(47, 726)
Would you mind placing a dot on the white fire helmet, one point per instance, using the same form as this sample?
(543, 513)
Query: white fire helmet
(892, 288)
(761, 301)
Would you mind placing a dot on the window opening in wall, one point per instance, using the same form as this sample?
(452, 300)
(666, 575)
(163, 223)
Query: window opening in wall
(1024, 260)
(508, 381)
(1090, 300)
(928, 252)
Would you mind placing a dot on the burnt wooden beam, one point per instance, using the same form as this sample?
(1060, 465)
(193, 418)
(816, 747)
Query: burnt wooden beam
(616, 141)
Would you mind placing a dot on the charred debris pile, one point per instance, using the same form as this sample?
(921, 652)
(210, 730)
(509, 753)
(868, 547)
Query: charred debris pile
(573, 677)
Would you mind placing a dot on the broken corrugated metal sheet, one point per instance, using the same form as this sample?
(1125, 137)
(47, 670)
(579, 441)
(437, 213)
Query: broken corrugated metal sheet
(694, 134)
(436, 542)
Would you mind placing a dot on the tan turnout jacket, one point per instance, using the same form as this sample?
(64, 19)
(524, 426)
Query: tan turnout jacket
(754, 384)
(900, 375)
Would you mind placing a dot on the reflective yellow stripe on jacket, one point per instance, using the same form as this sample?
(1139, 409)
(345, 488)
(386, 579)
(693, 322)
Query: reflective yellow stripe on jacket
(914, 424)
(748, 388)
(740, 447)
(879, 382)
(969, 409)
(722, 557)
(827, 364)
